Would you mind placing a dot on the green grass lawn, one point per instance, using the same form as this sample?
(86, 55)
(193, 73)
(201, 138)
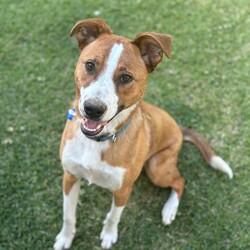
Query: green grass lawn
(205, 86)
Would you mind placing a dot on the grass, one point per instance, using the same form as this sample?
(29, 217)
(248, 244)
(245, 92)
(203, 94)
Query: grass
(205, 85)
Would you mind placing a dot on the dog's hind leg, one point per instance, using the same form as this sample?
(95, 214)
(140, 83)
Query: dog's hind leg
(162, 171)
(170, 208)
(71, 188)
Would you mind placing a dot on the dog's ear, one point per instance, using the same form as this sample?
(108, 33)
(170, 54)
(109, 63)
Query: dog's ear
(88, 30)
(152, 46)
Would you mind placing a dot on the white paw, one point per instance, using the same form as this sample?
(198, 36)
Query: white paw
(109, 237)
(170, 208)
(168, 215)
(63, 241)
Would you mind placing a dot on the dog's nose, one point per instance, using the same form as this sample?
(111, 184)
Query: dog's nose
(94, 109)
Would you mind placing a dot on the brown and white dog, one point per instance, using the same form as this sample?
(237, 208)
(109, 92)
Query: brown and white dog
(114, 133)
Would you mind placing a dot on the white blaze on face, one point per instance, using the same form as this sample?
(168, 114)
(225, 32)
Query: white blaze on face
(103, 88)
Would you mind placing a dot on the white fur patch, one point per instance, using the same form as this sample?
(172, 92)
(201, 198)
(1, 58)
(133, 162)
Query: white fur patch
(109, 234)
(82, 158)
(219, 164)
(103, 88)
(65, 237)
(170, 208)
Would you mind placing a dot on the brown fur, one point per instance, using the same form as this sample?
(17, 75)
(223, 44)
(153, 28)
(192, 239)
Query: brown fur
(68, 133)
(68, 181)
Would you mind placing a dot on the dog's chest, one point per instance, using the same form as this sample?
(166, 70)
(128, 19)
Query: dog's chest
(83, 158)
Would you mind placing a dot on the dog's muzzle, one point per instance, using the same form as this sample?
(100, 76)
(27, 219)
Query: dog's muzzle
(92, 124)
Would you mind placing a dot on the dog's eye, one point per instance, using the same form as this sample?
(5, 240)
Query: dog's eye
(90, 66)
(125, 78)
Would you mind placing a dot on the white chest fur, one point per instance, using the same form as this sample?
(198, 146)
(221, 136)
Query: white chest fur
(82, 158)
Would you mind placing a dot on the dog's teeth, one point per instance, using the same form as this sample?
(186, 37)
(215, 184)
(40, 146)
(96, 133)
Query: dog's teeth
(89, 129)
(99, 126)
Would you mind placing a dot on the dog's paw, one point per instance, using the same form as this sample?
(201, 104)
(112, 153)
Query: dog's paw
(170, 209)
(168, 215)
(63, 241)
(109, 237)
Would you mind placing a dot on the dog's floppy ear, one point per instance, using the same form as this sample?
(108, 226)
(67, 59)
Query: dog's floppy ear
(88, 30)
(152, 46)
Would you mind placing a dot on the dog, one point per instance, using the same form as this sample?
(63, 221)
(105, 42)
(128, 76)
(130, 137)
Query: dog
(112, 134)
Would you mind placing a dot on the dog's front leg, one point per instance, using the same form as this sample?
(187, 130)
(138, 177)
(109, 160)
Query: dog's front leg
(71, 188)
(109, 234)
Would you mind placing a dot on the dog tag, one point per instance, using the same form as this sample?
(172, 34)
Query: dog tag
(114, 138)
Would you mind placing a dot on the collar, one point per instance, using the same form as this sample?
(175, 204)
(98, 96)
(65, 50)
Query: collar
(72, 113)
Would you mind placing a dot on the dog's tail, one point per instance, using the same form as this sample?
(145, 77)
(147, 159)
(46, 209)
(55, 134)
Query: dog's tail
(208, 154)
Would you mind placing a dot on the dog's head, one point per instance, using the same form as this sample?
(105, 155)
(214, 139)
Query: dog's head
(111, 73)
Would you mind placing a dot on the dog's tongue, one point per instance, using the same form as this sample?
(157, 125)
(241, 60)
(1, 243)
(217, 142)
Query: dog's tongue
(91, 127)
(92, 124)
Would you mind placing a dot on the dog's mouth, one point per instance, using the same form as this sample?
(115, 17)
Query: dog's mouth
(92, 128)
